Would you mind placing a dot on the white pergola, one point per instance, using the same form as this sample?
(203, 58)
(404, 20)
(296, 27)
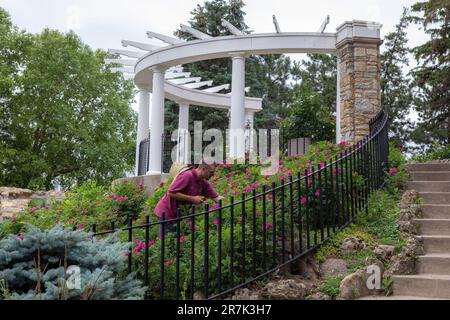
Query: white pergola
(158, 70)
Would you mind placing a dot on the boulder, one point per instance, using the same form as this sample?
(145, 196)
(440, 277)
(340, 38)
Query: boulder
(409, 198)
(307, 267)
(408, 227)
(401, 264)
(246, 294)
(319, 296)
(384, 252)
(352, 245)
(286, 289)
(355, 285)
(333, 267)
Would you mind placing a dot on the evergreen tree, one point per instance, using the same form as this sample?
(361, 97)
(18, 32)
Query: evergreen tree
(266, 75)
(319, 74)
(35, 265)
(396, 97)
(432, 76)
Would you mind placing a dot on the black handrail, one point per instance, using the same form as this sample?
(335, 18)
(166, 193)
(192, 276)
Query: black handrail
(297, 217)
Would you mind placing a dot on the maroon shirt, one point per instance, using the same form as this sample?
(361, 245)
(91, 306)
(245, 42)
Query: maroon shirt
(188, 183)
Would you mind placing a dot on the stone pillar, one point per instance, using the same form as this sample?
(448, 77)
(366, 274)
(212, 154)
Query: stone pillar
(157, 122)
(143, 120)
(237, 117)
(358, 44)
(183, 133)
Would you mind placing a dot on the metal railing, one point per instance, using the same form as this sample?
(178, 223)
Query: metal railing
(216, 250)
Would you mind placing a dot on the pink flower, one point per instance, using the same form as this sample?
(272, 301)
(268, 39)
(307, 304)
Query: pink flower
(151, 244)
(282, 178)
(13, 218)
(303, 200)
(141, 186)
(270, 197)
(216, 206)
(32, 210)
(228, 179)
(84, 213)
(228, 190)
(216, 221)
(137, 241)
(182, 239)
(234, 185)
(321, 165)
(393, 171)
(235, 192)
(266, 177)
(317, 194)
(20, 236)
(343, 144)
(268, 226)
(81, 226)
(161, 184)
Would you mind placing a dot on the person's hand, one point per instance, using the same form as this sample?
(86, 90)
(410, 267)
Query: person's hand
(219, 198)
(197, 199)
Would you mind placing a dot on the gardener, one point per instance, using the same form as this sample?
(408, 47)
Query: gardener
(189, 187)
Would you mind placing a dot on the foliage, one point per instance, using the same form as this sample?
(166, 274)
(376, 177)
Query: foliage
(35, 265)
(308, 117)
(66, 117)
(439, 153)
(432, 75)
(397, 174)
(396, 96)
(330, 286)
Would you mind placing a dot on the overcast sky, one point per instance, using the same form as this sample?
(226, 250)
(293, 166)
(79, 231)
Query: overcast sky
(104, 23)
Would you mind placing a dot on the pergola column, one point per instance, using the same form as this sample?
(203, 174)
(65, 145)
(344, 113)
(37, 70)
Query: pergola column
(237, 117)
(157, 121)
(143, 121)
(183, 133)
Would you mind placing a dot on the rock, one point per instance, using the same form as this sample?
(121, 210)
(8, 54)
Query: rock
(333, 267)
(355, 285)
(307, 267)
(287, 289)
(14, 193)
(409, 198)
(401, 264)
(384, 252)
(319, 296)
(408, 227)
(246, 294)
(198, 295)
(414, 247)
(352, 245)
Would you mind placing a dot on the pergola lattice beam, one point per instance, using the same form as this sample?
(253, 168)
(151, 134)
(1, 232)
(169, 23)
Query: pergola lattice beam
(275, 23)
(173, 75)
(218, 88)
(128, 53)
(232, 28)
(324, 24)
(198, 84)
(185, 80)
(123, 69)
(124, 62)
(194, 32)
(140, 45)
(163, 38)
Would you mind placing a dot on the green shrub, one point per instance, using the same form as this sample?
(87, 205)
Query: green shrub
(331, 286)
(34, 265)
(437, 153)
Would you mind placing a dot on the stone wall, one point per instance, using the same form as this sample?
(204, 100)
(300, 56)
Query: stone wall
(14, 200)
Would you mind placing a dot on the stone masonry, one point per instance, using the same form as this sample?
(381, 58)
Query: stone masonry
(360, 88)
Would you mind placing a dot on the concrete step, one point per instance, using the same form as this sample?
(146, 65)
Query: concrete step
(422, 285)
(429, 167)
(397, 298)
(436, 211)
(434, 264)
(436, 244)
(430, 175)
(435, 197)
(429, 186)
(434, 226)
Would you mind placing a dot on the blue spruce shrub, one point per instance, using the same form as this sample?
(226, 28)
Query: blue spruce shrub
(36, 265)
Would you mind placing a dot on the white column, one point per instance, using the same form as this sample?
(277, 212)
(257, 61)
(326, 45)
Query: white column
(338, 102)
(143, 120)
(237, 118)
(157, 122)
(183, 131)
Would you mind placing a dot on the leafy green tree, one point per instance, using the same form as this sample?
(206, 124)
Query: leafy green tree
(308, 118)
(396, 96)
(66, 117)
(432, 76)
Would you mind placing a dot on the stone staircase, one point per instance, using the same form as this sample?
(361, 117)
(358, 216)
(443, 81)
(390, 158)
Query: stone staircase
(432, 281)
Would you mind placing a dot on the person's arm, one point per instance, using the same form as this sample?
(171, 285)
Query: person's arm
(185, 198)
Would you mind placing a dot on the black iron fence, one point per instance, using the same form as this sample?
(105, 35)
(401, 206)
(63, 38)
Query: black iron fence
(213, 251)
